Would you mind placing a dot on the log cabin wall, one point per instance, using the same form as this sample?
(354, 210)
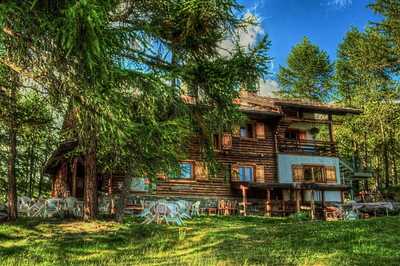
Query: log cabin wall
(257, 152)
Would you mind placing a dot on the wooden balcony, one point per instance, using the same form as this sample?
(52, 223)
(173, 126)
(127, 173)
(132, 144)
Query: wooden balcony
(307, 147)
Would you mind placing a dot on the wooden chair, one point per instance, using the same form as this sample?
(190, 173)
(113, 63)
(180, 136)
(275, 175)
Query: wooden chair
(332, 214)
(221, 207)
(229, 209)
(233, 208)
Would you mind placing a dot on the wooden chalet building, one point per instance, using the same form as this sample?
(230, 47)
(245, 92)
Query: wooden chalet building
(284, 157)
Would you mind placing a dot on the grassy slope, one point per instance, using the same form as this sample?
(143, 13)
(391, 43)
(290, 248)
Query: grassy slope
(203, 241)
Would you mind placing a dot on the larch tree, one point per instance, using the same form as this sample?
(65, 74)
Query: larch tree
(143, 76)
(367, 72)
(309, 73)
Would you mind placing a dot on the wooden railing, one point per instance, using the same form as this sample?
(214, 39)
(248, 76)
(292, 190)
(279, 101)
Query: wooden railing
(313, 147)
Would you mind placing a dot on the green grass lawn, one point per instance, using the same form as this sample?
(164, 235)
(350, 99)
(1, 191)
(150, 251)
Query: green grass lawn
(203, 241)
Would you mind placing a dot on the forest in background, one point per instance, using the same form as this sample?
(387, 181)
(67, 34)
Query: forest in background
(72, 60)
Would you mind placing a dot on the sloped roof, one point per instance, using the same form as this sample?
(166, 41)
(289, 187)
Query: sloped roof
(58, 155)
(276, 104)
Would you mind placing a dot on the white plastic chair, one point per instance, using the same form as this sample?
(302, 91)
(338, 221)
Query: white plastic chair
(71, 206)
(53, 207)
(184, 209)
(196, 209)
(173, 214)
(37, 209)
(23, 205)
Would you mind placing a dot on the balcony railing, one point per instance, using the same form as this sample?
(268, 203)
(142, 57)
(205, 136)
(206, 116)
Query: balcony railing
(311, 147)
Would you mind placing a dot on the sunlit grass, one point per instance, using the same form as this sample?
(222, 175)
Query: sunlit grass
(202, 241)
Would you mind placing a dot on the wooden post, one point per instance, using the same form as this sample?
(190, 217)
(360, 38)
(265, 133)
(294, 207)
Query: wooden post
(342, 196)
(243, 188)
(74, 182)
(312, 205)
(283, 207)
(269, 203)
(298, 198)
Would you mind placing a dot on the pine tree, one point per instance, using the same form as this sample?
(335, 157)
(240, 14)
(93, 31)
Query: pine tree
(308, 73)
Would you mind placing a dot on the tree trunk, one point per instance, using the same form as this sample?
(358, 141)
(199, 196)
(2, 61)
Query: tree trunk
(90, 191)
(386, 165)
(31, 170)
(40, 184)
(366, 158)
(12, 182)
(395, 173)
(379, 173)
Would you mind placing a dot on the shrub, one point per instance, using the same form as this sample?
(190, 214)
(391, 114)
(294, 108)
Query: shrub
(300, 216)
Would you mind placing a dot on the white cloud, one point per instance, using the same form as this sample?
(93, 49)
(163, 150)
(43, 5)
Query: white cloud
(246, 37)
(268, 88)
(340, 3)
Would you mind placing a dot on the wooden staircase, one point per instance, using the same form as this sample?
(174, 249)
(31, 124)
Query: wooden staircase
(349, 174)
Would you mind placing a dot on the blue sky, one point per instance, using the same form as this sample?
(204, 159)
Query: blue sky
(324, 22)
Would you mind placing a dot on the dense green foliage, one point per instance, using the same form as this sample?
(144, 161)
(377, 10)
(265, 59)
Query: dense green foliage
(367, 74)
(119, 69)
(37, 137)
(308, 73)
(203, 241)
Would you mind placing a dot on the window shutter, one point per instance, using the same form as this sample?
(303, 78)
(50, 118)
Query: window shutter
(236, 130)
(235, 173)
(260, 130)
(161, 176)
(297, 173)
(227, 141)
(330, 173)
(302, 135)
(260, 174)
(200, 171)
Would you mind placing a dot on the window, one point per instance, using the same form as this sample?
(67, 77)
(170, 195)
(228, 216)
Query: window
(291, 134)
(318, 173)
(247, 131)
(216, 142)
(295, 134)
(246, 174)
(308, 175)
(186, 171)
(314, 174)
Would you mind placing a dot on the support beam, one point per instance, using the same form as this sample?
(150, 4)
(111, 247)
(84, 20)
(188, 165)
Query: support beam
(298, 199)
(312, 205)
(244, 202)
(268, 207)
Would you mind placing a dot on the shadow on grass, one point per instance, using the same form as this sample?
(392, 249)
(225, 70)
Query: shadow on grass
(233, 240)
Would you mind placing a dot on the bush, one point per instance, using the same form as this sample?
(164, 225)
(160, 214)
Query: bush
(300, 216)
